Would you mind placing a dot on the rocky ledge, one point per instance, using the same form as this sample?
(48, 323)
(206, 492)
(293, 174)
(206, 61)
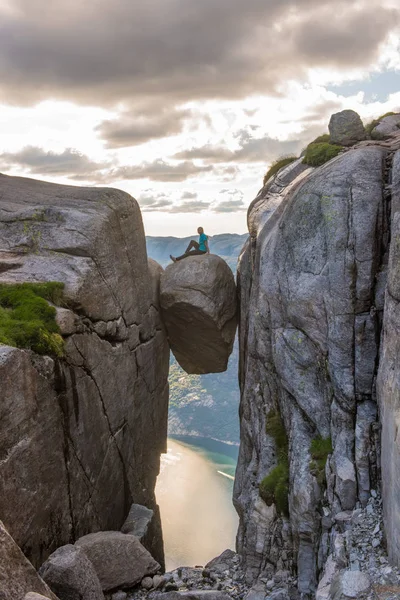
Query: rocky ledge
(198, 301)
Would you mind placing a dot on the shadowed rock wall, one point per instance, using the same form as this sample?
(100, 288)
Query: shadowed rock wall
(311, 282)
(81, 437)
(389, 380)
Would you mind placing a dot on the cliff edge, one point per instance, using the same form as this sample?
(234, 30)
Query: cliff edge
(312, 280)
(81, 433)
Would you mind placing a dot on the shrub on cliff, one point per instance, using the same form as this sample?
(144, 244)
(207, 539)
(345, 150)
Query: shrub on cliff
(319, 153)
(324, 138)
(277, 166)
(26, 318)
(274, 488)
(320, 450)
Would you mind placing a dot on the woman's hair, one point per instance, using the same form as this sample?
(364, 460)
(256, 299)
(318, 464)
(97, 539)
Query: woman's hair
(200, 229)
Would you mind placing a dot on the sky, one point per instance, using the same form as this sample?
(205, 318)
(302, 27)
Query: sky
(185, 103)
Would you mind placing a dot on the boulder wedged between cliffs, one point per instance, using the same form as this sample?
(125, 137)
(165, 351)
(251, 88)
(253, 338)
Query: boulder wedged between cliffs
(198, 302)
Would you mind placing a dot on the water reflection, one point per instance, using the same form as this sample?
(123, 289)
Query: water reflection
(194, 491)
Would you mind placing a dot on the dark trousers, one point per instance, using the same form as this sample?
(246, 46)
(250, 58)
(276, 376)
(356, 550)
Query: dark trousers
(191, 250)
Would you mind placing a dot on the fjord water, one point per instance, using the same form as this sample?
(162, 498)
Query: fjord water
(194, 492)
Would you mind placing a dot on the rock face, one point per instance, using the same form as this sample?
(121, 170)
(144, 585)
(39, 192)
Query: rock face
(389, 381)
(311, 282)
(119, 560)
(350, 584)
(198, 301)
(138, 521)
(71, 575)
(17, 575)
(346, 128)
(80, 437)
(193, 595)
(386, 127)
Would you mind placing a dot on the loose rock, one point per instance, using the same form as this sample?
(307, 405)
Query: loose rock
(350, 584)
(119, 560)
(198, 301)
(147, 583)
(346, 128)
(71, 575)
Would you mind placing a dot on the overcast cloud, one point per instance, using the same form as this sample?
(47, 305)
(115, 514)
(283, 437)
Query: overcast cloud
(69, 163)
(192, 97)
(173, 51)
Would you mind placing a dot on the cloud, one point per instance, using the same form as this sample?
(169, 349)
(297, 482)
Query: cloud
(172, 51)
(69, 163)
(74, 165)
(189, 195)
(133, 129)
(150, 201)
(190, 207)
(208, 152)
(228, 206)
(251, 150)
(159, 170)
(234, 202)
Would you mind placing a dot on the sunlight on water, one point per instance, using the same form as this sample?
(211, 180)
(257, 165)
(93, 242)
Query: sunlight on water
(194, 491)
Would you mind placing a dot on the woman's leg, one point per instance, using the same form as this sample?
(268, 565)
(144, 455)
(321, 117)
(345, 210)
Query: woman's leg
(192, 244)
(191, 253)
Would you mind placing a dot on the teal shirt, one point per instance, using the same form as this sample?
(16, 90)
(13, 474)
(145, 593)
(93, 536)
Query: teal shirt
(202, 242)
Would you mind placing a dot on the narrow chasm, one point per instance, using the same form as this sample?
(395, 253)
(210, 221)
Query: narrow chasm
(222, 425)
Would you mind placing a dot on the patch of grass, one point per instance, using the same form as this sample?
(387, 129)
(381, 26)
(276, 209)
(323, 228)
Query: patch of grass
(277, 166)
(276, 429)
(321, 139)
(26, 318)
(318, 154)
(370, 126)
(274, 488)
(320, 450)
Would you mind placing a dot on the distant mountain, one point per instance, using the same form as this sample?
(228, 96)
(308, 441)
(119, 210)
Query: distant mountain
(203, 405)
(226, 245)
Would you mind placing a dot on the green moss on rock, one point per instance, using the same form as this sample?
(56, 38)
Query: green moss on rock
(320, 450)
(26, 318)
(319, 153)
(277, 166)
(274, 488)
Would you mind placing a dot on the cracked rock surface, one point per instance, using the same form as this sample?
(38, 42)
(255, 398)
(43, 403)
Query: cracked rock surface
(18, 578)
(311, 283)
(81, 437)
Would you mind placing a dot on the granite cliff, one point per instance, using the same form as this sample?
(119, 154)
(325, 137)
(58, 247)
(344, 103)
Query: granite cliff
(84, 360)
(81, 435)
(82, 427)
(317, 278)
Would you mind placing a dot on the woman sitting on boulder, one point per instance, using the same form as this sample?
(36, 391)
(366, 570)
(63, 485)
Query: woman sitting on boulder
(195, 248)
